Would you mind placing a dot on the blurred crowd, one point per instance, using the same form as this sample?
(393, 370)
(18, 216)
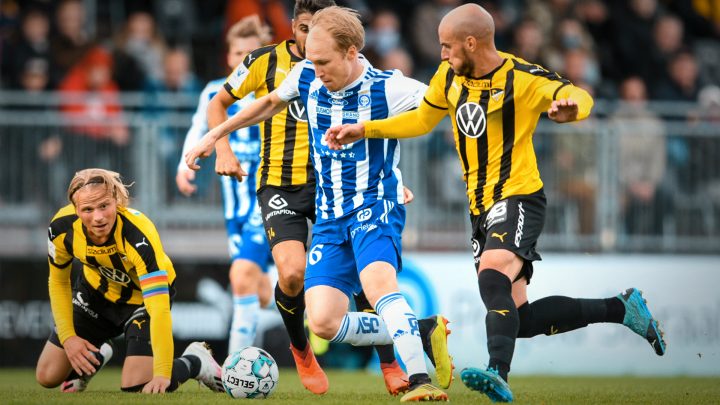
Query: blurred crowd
(633, 51)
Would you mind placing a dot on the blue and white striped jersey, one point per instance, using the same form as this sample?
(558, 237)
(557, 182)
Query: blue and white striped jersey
(239, 198)
(367, 170)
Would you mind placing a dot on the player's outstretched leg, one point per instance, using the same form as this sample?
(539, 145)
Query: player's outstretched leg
(639, 319)
(79, 384)
(311, 374)
(488, 382)
(434, 333)
(210, 374)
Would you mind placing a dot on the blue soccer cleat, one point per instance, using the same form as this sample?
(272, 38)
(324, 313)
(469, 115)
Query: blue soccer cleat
(639, 319)
(488, 382)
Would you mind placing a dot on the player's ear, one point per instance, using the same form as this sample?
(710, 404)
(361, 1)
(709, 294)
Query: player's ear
(470, 43)
(352, 52)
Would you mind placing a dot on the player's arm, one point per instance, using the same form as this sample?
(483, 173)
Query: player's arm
(226, 163)
(571, 104)
(258, 111)
(199, 126)
(76, 348)
(154, 271)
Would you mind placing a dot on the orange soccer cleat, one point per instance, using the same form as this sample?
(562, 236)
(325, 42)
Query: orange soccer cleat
(311, 375)
(396, 381)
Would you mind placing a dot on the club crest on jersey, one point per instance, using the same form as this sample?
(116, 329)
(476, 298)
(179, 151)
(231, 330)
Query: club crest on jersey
(297, 111)
(470, 119)
(364, 100)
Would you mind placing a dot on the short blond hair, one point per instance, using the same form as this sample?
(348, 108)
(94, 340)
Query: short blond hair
(108, 179)
(250, 26)
(343, 24)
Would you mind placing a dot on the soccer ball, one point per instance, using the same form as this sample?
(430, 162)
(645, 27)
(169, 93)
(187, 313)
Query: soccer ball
(250, 373)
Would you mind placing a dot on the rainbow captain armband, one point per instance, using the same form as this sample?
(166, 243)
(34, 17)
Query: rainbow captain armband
(154, 283)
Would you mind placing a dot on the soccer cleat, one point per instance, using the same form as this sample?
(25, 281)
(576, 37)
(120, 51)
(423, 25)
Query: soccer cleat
(210, 374)
(396, 381)
(488, 382)
(80, 384)
(311, 374)
(639, 319)
(424, 392)
(434, 333)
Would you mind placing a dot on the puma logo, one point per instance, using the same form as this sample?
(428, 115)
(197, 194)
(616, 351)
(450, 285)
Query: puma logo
(290, 311)
(502, 312)
(139, 323)
(499, 236)
(137, 245)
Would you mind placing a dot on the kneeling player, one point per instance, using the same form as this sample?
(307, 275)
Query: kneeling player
(125, 288)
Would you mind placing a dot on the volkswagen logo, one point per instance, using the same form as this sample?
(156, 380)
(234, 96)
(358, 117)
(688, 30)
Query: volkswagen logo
(115, 275)
(470, 119)
(296, 109)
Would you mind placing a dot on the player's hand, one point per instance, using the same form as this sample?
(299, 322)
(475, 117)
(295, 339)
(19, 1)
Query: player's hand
(203, 149)
(340, 135)
(408, 195)
(157, 385)
(79, 353)
(226, 164)
(184, 179)
(563, 110)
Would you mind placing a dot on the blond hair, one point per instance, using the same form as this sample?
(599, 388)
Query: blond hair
(108, 179)
(250, 26)
(343, 24)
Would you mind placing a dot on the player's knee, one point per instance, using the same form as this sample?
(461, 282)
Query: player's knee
(291, 282)
(324, 327)
(44, 377)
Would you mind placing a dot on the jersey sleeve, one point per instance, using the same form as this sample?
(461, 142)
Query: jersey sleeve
(403, 93)
(245, 79)
(199, 125)
(290, 87)
(435, 93)
(153, 269)
(59, 286)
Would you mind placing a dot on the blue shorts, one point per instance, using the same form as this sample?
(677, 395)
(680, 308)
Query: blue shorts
(246, 240)
(343, 247)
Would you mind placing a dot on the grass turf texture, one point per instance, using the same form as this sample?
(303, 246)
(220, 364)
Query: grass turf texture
(18, 386)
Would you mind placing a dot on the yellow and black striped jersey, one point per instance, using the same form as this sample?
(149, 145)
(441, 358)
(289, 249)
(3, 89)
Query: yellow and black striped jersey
(493, 120)
(113, 269)
(285, 147)
(130, 268)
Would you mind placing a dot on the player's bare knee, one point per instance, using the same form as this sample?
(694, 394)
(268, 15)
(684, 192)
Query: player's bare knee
(324, 327)
(291, 282)
(43, 377)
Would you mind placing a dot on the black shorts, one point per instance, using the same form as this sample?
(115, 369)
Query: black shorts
(97, 320)
(286, 211)
(513, 224)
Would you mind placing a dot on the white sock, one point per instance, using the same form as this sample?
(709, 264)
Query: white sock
(244, 322)
(403, 327)
(362, 329)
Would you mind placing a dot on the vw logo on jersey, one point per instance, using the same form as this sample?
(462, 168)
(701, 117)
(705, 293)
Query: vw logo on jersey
(297, 110)
(364, 100)
(364, 215)
(277, 202)
(470, 119)
(115, 275)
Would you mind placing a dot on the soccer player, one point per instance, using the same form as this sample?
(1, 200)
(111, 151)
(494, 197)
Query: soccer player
(249, 249)
(494, 100)
(126, 287)
(359, 198)
(286, 188)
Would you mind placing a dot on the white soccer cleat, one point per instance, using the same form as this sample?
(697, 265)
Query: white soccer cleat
(81, 383)
(210, 374)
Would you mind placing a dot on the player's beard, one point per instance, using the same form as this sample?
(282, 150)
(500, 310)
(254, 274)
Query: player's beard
(467, 66)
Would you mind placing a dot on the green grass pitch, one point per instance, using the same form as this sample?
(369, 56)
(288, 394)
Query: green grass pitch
(17, 386)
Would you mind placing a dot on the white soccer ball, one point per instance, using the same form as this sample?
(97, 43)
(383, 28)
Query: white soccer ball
(250, 373)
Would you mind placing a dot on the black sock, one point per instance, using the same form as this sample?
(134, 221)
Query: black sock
(501, 321)
(386, 353)
(292, 310)
(418, 379)
(184, 368)
(556, 314)
(73, 375)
